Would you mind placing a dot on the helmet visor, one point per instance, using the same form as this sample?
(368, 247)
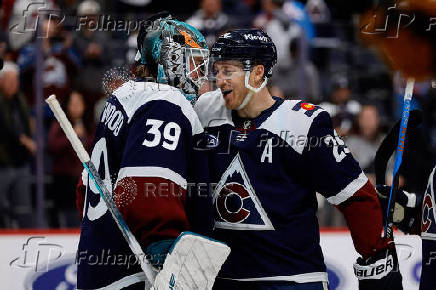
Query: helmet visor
(223, 70)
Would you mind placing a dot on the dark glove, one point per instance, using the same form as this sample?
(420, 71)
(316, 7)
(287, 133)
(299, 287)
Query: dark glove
(407, 207)
(380, 271)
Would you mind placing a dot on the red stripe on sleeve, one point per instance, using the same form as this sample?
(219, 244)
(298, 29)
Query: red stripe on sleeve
(363, 214)
(153, 208)
(80, 197)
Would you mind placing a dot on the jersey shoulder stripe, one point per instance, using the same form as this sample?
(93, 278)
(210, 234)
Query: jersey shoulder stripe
(133, 95)
(349, 190)
(153, 171)
(292, 121)
(212, 111)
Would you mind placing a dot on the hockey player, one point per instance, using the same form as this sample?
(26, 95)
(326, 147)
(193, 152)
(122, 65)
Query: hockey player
(269, 157)
(415, 213)
(143, 149)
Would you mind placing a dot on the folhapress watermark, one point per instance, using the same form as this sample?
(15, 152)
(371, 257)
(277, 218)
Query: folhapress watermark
(37, 254)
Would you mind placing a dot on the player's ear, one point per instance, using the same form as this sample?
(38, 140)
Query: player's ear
(258, 74)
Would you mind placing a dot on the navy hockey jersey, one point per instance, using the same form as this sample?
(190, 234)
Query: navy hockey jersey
(143, 150)
(428, 235)
(267, 171)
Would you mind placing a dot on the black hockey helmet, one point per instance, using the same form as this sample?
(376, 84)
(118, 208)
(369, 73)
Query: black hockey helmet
(250, 46)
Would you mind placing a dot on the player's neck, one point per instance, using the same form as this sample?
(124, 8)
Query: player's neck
(259, 102)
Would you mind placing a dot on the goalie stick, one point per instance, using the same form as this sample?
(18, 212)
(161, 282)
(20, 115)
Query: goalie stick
(104, 193)
(388, 232)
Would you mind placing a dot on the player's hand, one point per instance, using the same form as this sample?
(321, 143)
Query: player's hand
(406, 206)
(379, 272)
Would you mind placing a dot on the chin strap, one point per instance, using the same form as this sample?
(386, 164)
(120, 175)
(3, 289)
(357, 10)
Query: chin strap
(252, 90)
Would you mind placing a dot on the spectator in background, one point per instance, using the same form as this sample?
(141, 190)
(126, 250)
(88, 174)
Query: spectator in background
(366, 139)
(342, 109)
(318, 11)
(16, 150)
(298, 79)
(66, 167)
(92, 46)
(210, 20)
(59, 66)
(278, 25)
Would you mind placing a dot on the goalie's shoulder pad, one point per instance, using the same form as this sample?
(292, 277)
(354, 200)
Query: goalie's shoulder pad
(211, 110)
(192, 263)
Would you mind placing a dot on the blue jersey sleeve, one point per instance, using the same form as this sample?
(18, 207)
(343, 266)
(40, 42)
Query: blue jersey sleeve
(332, 169)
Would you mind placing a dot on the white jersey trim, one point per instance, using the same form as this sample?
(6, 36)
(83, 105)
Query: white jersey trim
(300, 278)
(124, 282)
(211, 110)
(428, 236)
(132, 95)
(152, 171)
(349, 190)
(291, 126)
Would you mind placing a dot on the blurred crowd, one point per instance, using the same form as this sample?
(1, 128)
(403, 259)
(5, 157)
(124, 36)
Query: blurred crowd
(320, 60)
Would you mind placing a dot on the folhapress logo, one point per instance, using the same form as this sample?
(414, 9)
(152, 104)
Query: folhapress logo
(37, 254)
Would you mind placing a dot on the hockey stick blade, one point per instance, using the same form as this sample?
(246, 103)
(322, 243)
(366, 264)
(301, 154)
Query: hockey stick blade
(104, 193)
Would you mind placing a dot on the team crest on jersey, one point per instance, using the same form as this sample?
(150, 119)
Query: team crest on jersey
(428, 226)
(307, 106)
(236, 204)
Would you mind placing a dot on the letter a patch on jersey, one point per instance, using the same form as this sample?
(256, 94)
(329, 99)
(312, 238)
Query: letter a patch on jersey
(236, 204)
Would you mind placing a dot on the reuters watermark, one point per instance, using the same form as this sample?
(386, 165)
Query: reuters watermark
(170, 189)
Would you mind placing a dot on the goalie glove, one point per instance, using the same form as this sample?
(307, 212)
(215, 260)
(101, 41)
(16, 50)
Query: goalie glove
(192, 263)
(379, 272)
(407, 207)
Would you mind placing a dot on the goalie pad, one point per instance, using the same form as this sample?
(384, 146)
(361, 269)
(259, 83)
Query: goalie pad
(193, 263)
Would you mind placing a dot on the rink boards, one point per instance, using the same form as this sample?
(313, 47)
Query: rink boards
(46, 259)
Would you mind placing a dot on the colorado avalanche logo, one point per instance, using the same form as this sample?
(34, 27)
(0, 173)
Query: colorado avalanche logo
(236, 204)
(230, 202)
(429, 210)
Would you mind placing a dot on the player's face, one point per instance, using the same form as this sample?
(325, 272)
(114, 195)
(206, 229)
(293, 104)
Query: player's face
(230, 79)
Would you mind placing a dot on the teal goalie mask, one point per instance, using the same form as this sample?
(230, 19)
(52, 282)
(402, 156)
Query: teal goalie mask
(176, 52)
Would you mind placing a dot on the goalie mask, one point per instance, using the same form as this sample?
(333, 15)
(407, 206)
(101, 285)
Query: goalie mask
(175, 52)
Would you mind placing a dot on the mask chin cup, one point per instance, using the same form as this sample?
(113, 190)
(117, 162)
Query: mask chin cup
(252, 90)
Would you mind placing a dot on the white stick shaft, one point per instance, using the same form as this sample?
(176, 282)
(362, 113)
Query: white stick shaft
(409, 89)
(68, 129)
(104, 193)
